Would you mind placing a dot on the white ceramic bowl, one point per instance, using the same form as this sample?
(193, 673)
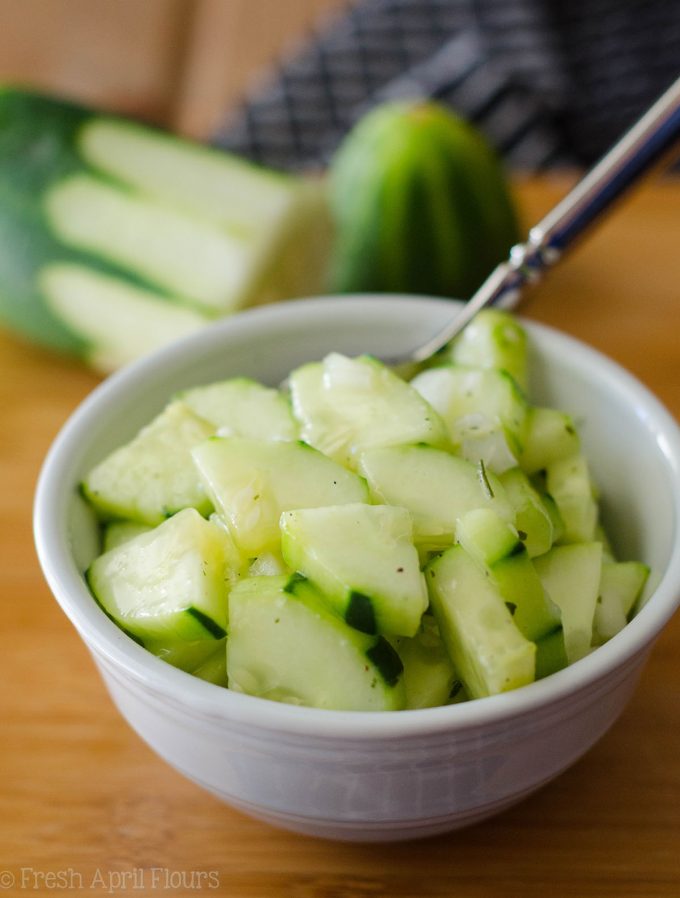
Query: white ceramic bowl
(372, 776)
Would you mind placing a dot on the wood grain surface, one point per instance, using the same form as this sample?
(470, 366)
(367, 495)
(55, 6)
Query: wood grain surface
(87, 808)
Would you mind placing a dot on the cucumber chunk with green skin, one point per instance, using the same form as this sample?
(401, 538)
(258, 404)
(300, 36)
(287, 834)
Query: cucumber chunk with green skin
(534, 613)
(551, 654)
(486, 647)
(252, 483)
(495, 545)
(285, 644)
(362, 559)
(430, 678)
(484, 411)
(436, 487)
(114, 236)
(620, 586)
(571, 576)
(493, 339)
(346, 406)
(186, 655)
(167, 586)
(486, 536)
(152, 477)
(532, 518)
(119, 532)
(569, 483)
(241, 407)
(214, 668)
(550, 436)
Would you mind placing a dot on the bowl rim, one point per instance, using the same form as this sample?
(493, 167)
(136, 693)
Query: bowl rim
(104, 638)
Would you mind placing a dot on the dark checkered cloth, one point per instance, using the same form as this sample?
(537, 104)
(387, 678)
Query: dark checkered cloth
(550, 83)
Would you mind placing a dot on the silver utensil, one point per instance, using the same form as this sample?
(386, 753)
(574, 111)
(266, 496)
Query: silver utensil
(641, 149)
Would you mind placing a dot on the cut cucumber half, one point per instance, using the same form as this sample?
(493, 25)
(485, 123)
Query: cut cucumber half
(362, 559)
(346, 406)
(486, 647)
(550, 436)
(285, 644)
(436, 487)
(153, 476)
(493, 339)
(430, 678)
(532, 518)
(252, 482)
(168, 586)
(214, 668)
(241, 407)
(484, 410)
(116, 238)
(571, 576)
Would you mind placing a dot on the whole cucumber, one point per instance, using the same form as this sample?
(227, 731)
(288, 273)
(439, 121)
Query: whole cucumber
(420, 203)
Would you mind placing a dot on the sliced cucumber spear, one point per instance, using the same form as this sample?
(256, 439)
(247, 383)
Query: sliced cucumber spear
(116, 238)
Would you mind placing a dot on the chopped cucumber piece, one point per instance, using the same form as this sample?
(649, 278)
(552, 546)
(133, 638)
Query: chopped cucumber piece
(486, 647)
(362, 559)
(244, 408)
(493, 339)
(484, 410)
(620, 586)
(568, 482)
(285, 644)
(167, 586)
(429, 675)
(346, 406)
(494, 544)
(214, 668)
(436, 487)
(252, 482)
(601, 536)
(119, 532)
(551, 654)
(187, 655)
(571, 575)
(535, 615)
(269, 564)
(532, 518)
(550, 436)
(152, 477)
(486, 536)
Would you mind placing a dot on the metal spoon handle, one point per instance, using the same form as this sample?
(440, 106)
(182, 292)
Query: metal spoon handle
(641, 148)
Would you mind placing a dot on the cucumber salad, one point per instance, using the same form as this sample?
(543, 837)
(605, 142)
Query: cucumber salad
(359, 542)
